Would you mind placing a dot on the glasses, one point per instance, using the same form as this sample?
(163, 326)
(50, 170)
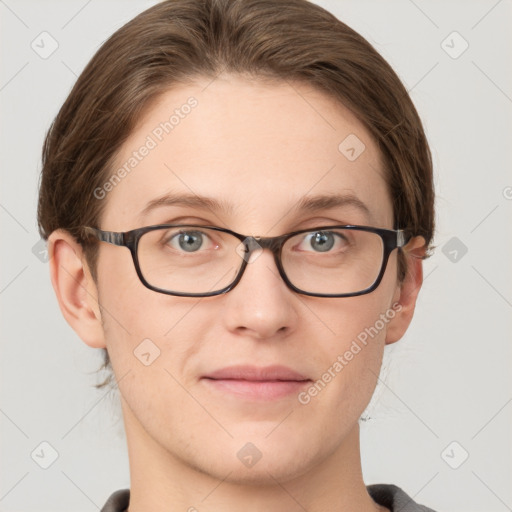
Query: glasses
(202, 261)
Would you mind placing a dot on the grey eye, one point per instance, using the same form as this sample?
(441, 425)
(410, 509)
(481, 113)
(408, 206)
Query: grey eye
(189, 241)
(322, 241)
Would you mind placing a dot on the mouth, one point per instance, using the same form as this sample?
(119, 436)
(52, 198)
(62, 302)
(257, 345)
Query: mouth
(256, 383)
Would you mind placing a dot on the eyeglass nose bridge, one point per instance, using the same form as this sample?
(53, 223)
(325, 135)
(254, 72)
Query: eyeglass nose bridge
(251, 247)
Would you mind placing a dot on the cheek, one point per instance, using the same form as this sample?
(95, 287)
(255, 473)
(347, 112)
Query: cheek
(152, 340)
(349, 358)
(141, 325)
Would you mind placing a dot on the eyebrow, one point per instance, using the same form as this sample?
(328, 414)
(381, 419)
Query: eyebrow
(326, 202)
(305, 204)
(190, 200)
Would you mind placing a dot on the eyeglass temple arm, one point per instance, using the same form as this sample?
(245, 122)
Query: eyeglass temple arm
(105, 236)
(401, 238)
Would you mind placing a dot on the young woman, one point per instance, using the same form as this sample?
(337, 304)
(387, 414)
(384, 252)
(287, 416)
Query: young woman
(237, 196)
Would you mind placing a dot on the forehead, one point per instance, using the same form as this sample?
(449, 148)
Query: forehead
(257, 148)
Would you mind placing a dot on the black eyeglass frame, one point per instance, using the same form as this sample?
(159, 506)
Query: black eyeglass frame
(391, 240)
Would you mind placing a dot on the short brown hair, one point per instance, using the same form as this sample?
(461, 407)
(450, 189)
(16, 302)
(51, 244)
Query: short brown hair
(176, 41)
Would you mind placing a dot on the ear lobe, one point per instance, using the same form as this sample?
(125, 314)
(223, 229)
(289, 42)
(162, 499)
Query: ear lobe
(407, 291)
(75, 289)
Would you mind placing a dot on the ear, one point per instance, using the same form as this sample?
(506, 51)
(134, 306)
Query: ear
(407, 292)
(75, 289)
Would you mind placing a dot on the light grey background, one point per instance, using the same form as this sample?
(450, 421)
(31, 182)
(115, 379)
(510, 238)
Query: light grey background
(447, 381)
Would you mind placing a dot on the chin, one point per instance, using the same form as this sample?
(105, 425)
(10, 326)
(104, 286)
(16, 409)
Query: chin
(263, 473)
(256, 460)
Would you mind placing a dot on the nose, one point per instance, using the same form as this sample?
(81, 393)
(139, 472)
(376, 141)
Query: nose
(261, 305)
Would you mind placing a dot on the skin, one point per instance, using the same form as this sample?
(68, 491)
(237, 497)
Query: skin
(260, 147)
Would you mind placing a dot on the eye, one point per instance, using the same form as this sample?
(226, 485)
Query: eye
(189, 241)
(323, 241)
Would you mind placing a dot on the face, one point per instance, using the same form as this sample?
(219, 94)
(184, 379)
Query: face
(258, 150)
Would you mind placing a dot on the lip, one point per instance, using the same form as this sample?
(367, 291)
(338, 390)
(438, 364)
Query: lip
(256, 383)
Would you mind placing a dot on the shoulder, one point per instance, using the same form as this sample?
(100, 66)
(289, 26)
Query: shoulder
(394, 498)
(387, 495)
(118, 501)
